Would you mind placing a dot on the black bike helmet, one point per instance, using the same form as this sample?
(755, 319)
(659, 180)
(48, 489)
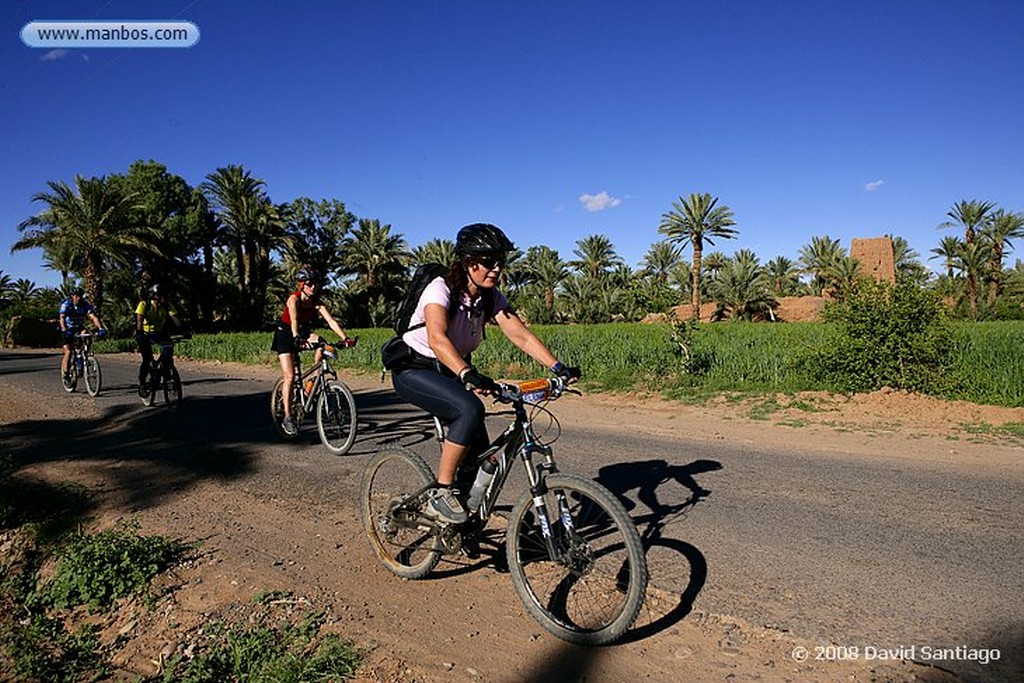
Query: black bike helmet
(307, 274)
(156, 289)
(482, 238)
(78, 291)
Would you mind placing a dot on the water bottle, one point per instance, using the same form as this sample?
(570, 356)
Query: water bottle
(483, 478)
(309, 386)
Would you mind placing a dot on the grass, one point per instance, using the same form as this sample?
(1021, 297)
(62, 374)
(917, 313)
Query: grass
(727, 357)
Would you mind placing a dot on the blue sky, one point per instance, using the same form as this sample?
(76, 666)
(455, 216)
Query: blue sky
(554, 120)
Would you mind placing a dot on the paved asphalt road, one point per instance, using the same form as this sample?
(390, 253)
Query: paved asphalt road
(876, 552)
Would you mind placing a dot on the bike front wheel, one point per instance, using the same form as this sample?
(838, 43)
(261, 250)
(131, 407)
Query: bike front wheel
(592, 591)
(93, 376)
(172, 389)
(390, 518)
(336, 418)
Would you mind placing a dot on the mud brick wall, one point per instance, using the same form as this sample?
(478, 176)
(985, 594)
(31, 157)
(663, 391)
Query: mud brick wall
(876, 257)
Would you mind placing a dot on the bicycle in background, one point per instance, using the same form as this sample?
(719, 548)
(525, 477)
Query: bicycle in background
(83, 365)
(319, 389)
(163, 379)
(574, 554)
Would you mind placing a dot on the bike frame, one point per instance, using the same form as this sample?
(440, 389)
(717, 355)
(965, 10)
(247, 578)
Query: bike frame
(164, 361)
(519, 440)
(81, 348)
(321, 373)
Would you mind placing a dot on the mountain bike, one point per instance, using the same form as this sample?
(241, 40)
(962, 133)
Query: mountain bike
(574, 555)
(319, 388)
(83, 365)
(163, 377)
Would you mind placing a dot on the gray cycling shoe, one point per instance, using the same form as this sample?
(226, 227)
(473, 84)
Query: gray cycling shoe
(444, 506)
(289, 427)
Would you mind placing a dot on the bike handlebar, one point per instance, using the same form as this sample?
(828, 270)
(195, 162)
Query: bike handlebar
(532, 391)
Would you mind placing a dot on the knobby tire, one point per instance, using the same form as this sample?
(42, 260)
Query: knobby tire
(592, 594)
(336, 418)
(93, 376)
(393, 474)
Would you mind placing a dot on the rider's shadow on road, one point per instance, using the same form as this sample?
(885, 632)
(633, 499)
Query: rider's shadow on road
(673, 585)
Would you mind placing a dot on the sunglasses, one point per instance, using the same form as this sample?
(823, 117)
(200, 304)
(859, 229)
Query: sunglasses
(491, 262)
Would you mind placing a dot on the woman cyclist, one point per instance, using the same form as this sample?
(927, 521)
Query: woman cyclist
(445, 329)
(294, 331)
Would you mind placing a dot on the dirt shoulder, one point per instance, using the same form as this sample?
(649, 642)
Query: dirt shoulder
(468, 625)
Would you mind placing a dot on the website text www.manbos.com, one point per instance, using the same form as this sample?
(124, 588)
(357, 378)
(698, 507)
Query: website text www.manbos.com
(71, 34)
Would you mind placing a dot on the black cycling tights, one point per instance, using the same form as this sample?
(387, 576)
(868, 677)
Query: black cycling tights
(146, 349)
(446, 398)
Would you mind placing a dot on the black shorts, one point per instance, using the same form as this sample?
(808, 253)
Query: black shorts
(284, 341)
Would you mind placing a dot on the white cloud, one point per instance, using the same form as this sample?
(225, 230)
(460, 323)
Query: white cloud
(54, 55)
(599, 201)
(873, 185)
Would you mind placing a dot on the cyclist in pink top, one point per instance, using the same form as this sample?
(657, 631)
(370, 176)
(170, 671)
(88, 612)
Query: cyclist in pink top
(445, 329)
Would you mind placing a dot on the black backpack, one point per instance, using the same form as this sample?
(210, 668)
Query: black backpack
(424, 275)
(395, 353)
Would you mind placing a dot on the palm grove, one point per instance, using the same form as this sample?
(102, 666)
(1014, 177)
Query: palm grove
(228, 254)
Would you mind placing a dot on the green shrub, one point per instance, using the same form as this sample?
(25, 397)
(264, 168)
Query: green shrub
(97, 569)
(886, 335)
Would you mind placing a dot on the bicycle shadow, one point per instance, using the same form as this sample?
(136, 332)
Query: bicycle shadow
(673, 586)
(383, 411)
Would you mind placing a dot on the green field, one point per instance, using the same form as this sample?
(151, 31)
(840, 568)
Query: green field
(987, 358)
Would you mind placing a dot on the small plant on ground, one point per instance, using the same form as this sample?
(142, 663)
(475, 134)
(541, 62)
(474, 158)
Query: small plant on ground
(281, 652)
(96, 569)
(40, 649)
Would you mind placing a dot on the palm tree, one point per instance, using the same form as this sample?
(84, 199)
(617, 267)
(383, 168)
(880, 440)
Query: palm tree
(713, 263)
(742, 288)
(818, 258)
(844, 274)
(24, 291)
(435, 251)
(782, 276)
(546, 271)
(93, 219)
(1003, 227)
(693, 222)
(907, 263)
(251, 227)
(373, 252)
(595, 256)
(660, 259)
(973, 260)
(948, 250)
(6, 289)
(971, 216)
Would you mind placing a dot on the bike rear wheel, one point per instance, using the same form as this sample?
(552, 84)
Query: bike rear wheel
(405, 548)
(336, 418)
(93, 376)
(593, 591)
(172, 388)
(152, 384)
(277, 410)
(68, 377)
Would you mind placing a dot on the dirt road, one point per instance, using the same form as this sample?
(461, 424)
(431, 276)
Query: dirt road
(829, 545)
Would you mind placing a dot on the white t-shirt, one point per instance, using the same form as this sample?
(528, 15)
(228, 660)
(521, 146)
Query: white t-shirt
(465, 327)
